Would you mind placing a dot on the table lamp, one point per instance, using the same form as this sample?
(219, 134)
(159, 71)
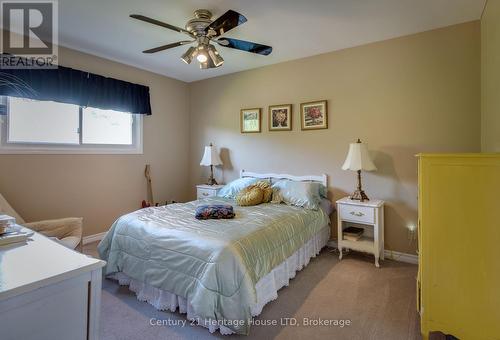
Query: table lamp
(358, 159)
(211, 158)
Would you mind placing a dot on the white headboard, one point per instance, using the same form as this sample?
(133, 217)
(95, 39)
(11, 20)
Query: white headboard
(323, 179)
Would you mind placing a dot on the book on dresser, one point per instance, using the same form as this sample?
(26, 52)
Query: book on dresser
(14, 234)
(5, 221)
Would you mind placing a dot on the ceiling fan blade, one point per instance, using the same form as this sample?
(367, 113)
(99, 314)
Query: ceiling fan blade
(159, 23)
(166, 47)
(243, 45)
(226, 22)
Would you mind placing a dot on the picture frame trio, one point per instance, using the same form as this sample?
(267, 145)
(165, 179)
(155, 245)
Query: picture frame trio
(313, 116)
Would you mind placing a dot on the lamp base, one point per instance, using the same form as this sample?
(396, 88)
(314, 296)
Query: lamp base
(212, 181)
(359, 195)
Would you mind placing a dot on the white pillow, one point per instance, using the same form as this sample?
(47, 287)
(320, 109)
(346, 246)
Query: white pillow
(232, 189)
(300, 194)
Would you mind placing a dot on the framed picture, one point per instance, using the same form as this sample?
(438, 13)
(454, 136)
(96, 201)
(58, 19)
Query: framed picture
(314, 115)
(250, 120)
(280, 117)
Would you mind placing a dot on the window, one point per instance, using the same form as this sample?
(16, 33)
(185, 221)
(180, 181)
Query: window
(106, 127)
(32, 126)
(31, 121)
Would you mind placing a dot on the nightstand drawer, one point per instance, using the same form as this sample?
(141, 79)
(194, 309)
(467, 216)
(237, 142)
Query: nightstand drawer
(204, 193)
(357, 213)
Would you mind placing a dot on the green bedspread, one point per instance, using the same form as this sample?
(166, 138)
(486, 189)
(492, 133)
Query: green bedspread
(214, 264)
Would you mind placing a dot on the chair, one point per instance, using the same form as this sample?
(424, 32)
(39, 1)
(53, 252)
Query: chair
(67, 231)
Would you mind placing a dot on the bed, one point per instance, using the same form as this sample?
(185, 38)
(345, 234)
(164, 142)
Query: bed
(219, 272)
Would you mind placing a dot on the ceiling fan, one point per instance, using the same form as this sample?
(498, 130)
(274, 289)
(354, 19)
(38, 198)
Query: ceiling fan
(203, 31)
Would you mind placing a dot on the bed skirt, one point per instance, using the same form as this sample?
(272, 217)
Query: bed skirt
(266, 288)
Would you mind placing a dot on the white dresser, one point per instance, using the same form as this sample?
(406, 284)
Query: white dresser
(368, 215)
(205, 190)
(48, 292)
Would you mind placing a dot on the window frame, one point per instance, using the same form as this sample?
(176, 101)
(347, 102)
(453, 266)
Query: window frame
(7, 147)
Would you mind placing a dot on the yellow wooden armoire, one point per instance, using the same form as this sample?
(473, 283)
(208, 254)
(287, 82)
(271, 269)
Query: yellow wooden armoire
(458, 287)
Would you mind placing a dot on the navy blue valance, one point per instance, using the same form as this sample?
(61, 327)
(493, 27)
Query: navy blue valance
(67, 85)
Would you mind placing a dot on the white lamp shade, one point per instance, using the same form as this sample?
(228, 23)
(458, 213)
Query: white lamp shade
(210, 157)
(358, 158)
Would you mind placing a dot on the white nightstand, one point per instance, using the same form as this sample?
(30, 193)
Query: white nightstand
(368, 215)
(205, 190)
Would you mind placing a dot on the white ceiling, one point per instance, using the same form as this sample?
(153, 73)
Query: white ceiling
(295, 28)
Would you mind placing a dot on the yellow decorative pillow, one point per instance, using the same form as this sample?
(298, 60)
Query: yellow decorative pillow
(268, 191)
(260, 192)
(251, 195)
(263, 184)
(268, 195)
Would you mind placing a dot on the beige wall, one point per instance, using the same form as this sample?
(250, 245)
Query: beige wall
(490, 101)
(419, 93)
(402, 96)
(102, 187)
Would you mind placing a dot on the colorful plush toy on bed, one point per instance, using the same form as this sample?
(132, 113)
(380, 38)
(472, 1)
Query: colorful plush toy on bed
(260, 192)
(214, 211)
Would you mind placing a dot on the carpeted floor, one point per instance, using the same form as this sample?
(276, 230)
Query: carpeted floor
(379, 303)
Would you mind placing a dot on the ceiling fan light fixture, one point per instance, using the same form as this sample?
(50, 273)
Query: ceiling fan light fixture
(202, 54)
(207, 64)
(189, 55)
(204, 31)
(216, 58)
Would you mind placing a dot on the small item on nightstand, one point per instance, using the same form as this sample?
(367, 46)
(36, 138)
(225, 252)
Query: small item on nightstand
(353, 233)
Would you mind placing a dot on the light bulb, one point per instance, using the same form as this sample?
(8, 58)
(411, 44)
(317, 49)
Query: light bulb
(201, 57)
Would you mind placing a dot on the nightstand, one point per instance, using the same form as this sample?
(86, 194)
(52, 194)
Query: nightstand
(205, 190)
(368, 215)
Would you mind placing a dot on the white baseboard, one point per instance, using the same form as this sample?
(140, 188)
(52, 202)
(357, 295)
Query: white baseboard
(389, 254)
(93, 238)
(401, 257)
